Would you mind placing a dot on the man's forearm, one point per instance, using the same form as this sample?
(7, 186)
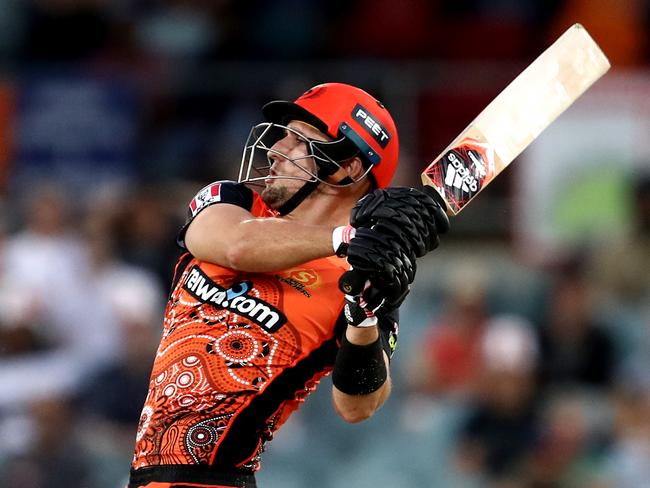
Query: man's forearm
(227, 235)
(357, 407)
(274, 244)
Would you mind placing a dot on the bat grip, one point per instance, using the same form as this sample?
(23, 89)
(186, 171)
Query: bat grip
(352, 282)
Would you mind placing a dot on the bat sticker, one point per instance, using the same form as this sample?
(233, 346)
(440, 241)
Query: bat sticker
(461, 171)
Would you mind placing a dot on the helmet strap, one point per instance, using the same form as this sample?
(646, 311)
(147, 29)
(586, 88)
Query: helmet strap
(342, 176)
(345, 181)
(298, 197)
(325, 170)
(304, 191)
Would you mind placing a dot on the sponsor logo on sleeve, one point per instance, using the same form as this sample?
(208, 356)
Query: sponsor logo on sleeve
(235, 299)
(206, 196)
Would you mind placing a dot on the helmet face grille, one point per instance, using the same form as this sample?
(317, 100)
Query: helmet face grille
(256, 160)
(322, 158)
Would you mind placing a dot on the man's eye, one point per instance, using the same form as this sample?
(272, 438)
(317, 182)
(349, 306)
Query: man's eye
(297, 140)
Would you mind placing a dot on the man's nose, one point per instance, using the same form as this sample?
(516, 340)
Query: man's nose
(278, 152)
(275, 160)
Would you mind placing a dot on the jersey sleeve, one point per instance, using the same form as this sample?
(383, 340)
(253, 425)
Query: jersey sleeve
(212, 194)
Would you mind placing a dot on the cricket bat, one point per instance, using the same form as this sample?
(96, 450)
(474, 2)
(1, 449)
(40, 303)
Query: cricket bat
(529, 104)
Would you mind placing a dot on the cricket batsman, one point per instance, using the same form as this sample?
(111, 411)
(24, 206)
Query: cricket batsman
(255, 317)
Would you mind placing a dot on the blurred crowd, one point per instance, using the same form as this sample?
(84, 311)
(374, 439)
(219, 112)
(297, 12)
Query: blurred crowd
(113, 113)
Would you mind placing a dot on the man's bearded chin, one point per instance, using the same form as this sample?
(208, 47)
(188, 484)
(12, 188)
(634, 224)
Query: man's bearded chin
(275, 196)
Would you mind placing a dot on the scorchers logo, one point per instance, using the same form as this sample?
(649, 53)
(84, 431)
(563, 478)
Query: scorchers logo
(234, 299)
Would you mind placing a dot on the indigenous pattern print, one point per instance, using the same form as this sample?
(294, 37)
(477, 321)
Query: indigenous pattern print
(218, 353)
(239, 353)
(227, 335)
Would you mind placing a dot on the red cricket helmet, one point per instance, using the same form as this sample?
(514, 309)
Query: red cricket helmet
(341, 110)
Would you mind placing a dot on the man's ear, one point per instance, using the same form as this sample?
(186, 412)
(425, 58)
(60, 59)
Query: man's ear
(354, 168)
(349, 171)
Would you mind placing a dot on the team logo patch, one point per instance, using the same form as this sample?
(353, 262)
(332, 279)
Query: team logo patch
(370, 123)
(300, 279)
(308, 277)
(206, 196)
(295, 284)
(235, 299)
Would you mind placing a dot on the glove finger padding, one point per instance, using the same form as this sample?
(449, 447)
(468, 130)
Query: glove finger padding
(401, 273)
(410, 236)
(382, 300)
(429, 199)
(437, 209)
(388, 266)
(366, 207)
(402, 237)
(413, 219)
(370, 250)
(420, 216)
(378, 254)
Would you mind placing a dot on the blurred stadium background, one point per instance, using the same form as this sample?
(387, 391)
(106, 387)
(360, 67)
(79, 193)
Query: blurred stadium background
(525, 344)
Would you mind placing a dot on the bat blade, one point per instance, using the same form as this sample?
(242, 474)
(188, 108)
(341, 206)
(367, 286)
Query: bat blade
(529, 104)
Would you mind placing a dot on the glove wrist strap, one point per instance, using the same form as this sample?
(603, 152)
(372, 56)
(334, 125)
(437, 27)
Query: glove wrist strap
(341, 237)
(357, 314)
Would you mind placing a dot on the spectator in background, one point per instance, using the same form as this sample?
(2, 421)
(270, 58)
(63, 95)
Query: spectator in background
(115, 392)
(43, 258)
(53, 456)
(576, 351)
(111, 398)
(627, 464)
(48, 259)
(449, 361)
(569, 450)
(503, 424)
(22, 323)
(180, 32)
(140, 224)
(63, 294)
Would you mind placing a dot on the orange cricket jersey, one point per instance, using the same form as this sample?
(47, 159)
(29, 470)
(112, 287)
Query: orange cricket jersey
(239, 352)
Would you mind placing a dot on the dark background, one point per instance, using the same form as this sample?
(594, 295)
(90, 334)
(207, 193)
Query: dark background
(510, 373)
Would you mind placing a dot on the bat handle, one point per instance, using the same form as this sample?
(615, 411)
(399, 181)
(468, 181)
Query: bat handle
(352, 282)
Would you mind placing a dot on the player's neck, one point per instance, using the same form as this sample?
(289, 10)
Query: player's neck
(327, 207)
